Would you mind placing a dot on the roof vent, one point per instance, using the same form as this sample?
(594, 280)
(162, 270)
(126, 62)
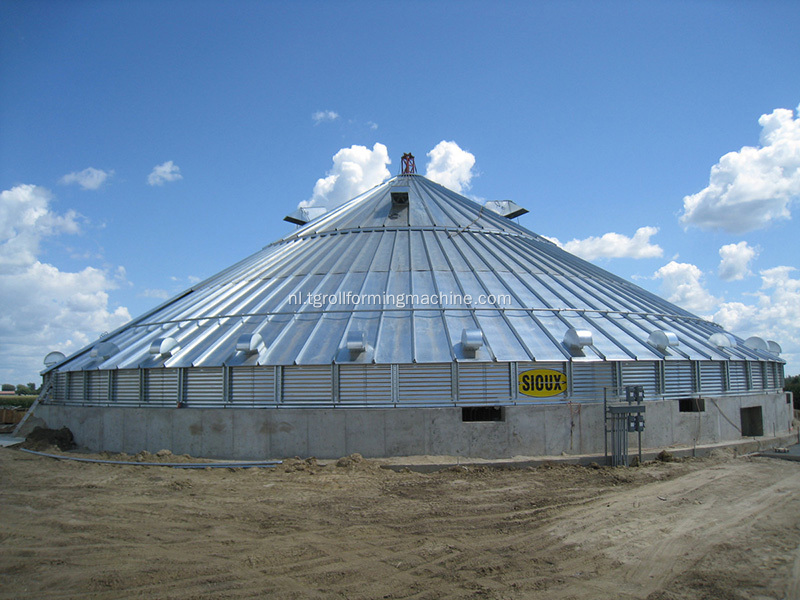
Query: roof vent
(407, 165)
(774, 347)
(305, 214)
(399, 197)
(104, 350)
(471, 342)
(663, 340)
(506, 208)
(576, 339)
(356, 343)
(722, 340)
(249, 343)
(756, 343)
(53, 358)
(164, 346)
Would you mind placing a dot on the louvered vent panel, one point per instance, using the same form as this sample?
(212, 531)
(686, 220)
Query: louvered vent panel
(162, 386)
(307, 384)
(252, 385)
(60, 386)
(712, 377)
(203, 386)
(365, 384)
(640, 373)
(483, 381)
(75, 392)
(590, 379)
(97, 383)
(737, 371)
(756, 375)
(678, 379)
(771, 382)
(126, 386)
(425, 383)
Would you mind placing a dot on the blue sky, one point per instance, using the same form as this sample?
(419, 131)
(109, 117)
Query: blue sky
(147, 145)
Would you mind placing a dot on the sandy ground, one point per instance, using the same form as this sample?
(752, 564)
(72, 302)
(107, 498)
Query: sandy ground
(714, 528)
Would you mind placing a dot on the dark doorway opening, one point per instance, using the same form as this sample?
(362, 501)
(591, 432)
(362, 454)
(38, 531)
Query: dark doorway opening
(752, 421)
(692, 405)
(470, 414)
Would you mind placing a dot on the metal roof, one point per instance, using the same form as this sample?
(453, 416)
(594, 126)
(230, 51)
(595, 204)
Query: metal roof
(385, 277)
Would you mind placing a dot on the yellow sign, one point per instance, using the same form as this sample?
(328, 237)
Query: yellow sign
(542, 383)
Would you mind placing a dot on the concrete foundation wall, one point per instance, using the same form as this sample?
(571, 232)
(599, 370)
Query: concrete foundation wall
(527, 430)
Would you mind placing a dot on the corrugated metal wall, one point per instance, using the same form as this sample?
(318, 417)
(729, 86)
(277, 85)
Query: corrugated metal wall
(126, 386)
(643, 373)
(737, 375)
(203, 386)
(75, 390)
(365, 384)
(161, 386)
(97, 386)
(712, 377)
(756, 376)
(425, 383)
(479, 382)
(591, 381)
(678, 379)
(252, 386)
(429, 384)
(307, 384)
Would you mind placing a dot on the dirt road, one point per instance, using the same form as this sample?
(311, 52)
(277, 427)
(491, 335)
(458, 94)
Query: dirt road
(703, 529)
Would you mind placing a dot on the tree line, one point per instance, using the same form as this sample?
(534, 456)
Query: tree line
(21, 389)
(792, 384)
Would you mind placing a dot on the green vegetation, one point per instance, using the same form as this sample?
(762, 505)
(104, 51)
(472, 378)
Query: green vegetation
(792, 384)
(24, 395)
(27, 389)
(15, 400)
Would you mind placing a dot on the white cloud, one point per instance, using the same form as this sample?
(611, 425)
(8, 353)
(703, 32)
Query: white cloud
(44, 308)
(615, 245)
(752, 188)
(88, 179)
(163, 173)
(682, 284)
(25, 219)
(324, 115)
(355, 170)
(775, 314)
(372, 125)
(735, 263)
(450, 166)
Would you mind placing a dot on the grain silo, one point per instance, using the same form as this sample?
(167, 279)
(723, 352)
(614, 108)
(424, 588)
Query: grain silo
(411, 320)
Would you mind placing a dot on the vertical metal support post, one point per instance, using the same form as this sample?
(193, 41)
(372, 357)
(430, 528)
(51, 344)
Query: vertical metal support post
(226, 384)
(454, 395)
(142, 385)
(605, 421)
(514, 374)
(568, 371)
(181, 387)
(726, 376)
(278, 383)
(395, 384)
(335, 382)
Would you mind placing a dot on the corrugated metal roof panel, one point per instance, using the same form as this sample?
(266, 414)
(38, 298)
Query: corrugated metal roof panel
(298, 294)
